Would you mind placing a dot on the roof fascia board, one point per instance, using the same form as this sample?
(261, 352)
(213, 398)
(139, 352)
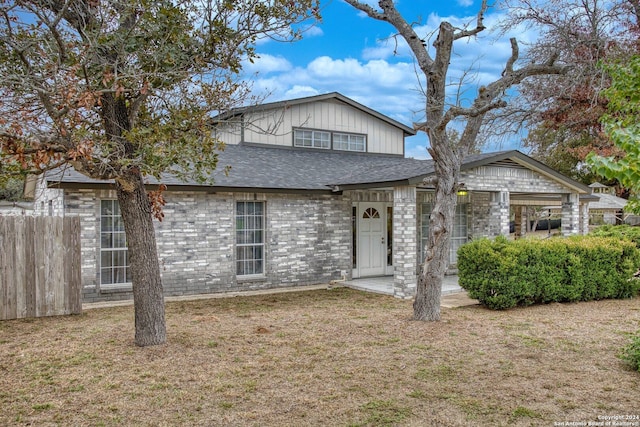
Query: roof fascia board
(192, 188)
(369, 185)
(316, 150)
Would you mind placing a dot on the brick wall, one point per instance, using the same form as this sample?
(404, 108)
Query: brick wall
(513, 179)
(308, 241)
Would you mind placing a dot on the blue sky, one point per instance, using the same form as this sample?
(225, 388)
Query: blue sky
(353, 54)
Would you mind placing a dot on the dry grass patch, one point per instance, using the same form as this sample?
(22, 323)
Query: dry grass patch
(337, 357)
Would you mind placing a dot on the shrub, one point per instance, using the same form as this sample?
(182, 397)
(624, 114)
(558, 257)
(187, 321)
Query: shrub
(502, 274)
(626, 232)
(631, 352)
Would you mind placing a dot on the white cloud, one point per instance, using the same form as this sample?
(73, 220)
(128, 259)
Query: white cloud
(465, 3)
(313, 31)
(416, 147)
(476, 61)
(388, 82)
(376, 72)
(389, 88)
(300, 92)
(266, 63)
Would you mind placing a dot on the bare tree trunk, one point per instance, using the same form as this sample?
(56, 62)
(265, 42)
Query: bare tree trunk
(143, 257)
(426, 305)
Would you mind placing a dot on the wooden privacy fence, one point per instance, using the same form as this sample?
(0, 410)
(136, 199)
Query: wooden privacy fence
(39, 266)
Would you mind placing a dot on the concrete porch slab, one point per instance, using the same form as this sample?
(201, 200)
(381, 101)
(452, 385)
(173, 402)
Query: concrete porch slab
(384, 284)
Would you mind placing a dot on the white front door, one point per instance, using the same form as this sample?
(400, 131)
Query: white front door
(372, 259)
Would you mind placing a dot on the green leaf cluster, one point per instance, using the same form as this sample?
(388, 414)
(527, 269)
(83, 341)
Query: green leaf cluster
(503, 274)
(11, 188)
(622, 124)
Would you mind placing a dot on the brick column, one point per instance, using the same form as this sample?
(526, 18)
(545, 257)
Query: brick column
(499, 213)
(570, 214)
(521, 221)
(405, 242)
(584, 218)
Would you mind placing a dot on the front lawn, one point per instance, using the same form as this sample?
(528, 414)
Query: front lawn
(332, 358)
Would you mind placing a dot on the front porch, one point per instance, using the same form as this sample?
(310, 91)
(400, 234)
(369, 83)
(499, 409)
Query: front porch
(390, 219)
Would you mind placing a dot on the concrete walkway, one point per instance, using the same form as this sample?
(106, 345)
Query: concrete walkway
(452, 294)
(90, 305)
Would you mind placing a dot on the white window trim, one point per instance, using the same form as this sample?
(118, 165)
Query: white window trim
(109, 286)
(315, 135)
(350, 136)
(251, 276)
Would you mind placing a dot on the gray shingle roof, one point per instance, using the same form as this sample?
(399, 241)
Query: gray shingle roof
(295, 169)
(289, 169)
(608, 202)
(404, 170)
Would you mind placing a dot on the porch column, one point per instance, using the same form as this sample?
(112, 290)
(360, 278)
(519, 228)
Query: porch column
(521, 221)
(584, 218)
(405, 242)
(499, 213)
(570, 214)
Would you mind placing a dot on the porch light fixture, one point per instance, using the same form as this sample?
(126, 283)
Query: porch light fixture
(461, 190)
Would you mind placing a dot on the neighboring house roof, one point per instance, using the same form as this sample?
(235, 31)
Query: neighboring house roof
(608, 202)
(597, 185)
(265, 168)
(335, 96)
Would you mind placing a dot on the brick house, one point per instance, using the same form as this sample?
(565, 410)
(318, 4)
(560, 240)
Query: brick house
(319, 189)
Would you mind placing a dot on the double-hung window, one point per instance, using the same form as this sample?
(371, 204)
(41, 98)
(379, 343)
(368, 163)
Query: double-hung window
(249, 238)
(312, 139)
(114, 260)
(349, 142)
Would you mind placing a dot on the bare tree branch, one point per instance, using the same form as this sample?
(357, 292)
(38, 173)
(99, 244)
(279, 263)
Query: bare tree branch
(479, 24)
(391, 15)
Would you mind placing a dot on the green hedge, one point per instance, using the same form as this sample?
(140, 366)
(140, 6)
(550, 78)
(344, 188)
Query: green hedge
(626, 232)
(502, 274)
